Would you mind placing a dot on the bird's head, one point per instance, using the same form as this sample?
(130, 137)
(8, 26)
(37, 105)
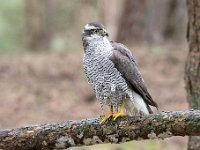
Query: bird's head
(94, 30)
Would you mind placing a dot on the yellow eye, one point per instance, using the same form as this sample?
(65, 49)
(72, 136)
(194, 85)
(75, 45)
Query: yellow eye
(101, 32)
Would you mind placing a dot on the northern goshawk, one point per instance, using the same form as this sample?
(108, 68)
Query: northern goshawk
(113, 74)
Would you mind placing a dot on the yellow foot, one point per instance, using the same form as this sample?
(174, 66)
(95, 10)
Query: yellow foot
(106, 118)
(119, 114)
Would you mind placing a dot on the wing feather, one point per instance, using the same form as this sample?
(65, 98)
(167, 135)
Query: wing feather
(126, 65)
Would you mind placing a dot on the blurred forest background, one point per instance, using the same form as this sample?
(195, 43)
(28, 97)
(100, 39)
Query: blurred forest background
(41, 75)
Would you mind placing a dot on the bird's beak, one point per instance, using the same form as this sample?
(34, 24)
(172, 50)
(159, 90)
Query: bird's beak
(105, 33)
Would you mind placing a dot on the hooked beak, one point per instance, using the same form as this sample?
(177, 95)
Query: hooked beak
(105, 33)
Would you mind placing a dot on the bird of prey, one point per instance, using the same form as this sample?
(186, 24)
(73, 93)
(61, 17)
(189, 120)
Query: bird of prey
(113, 73)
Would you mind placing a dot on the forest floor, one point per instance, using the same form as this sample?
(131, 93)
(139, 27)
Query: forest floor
(51, 87)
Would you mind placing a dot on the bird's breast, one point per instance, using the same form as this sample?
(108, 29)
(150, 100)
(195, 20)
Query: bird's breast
(105, 79)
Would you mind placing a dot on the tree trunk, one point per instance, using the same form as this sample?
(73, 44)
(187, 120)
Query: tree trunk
(109, 11)
(39, 23)
(176, 20)
(192, 69)
(131, 23)
(152, 20)
(156, 20)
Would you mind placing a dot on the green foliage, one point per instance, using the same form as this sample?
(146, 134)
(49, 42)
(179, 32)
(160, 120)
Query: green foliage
(11, 25)
(67, 21)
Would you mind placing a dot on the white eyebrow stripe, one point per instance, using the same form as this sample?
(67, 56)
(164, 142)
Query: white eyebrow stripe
(88, 27)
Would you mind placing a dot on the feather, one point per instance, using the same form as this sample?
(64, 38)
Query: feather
(125, 63)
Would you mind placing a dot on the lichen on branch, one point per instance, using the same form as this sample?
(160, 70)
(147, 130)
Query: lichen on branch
(90, 132)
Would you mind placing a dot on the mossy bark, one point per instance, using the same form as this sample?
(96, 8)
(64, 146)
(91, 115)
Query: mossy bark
(89, 131)
(192, 70)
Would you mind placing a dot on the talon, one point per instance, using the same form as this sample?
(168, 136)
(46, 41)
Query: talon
(120, 113)
(107, 116)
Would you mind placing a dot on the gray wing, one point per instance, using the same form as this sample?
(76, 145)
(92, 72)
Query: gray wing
(126, 65)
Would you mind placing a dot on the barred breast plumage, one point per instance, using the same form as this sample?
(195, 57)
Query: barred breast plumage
(107, 82)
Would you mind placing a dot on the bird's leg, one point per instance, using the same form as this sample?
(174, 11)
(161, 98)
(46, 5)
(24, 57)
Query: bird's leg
(107, 116)
(121, 112)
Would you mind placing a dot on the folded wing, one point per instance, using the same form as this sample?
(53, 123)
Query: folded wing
(126, 65)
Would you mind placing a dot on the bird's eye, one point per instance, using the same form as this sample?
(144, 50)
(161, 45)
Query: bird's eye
(101, 31)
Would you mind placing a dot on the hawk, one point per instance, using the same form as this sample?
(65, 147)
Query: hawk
(113, 73)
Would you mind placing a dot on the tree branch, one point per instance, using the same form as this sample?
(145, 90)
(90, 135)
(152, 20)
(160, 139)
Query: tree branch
(90, 132)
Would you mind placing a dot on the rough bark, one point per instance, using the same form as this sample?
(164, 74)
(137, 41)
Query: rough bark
(192, 69)
(89, 131)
